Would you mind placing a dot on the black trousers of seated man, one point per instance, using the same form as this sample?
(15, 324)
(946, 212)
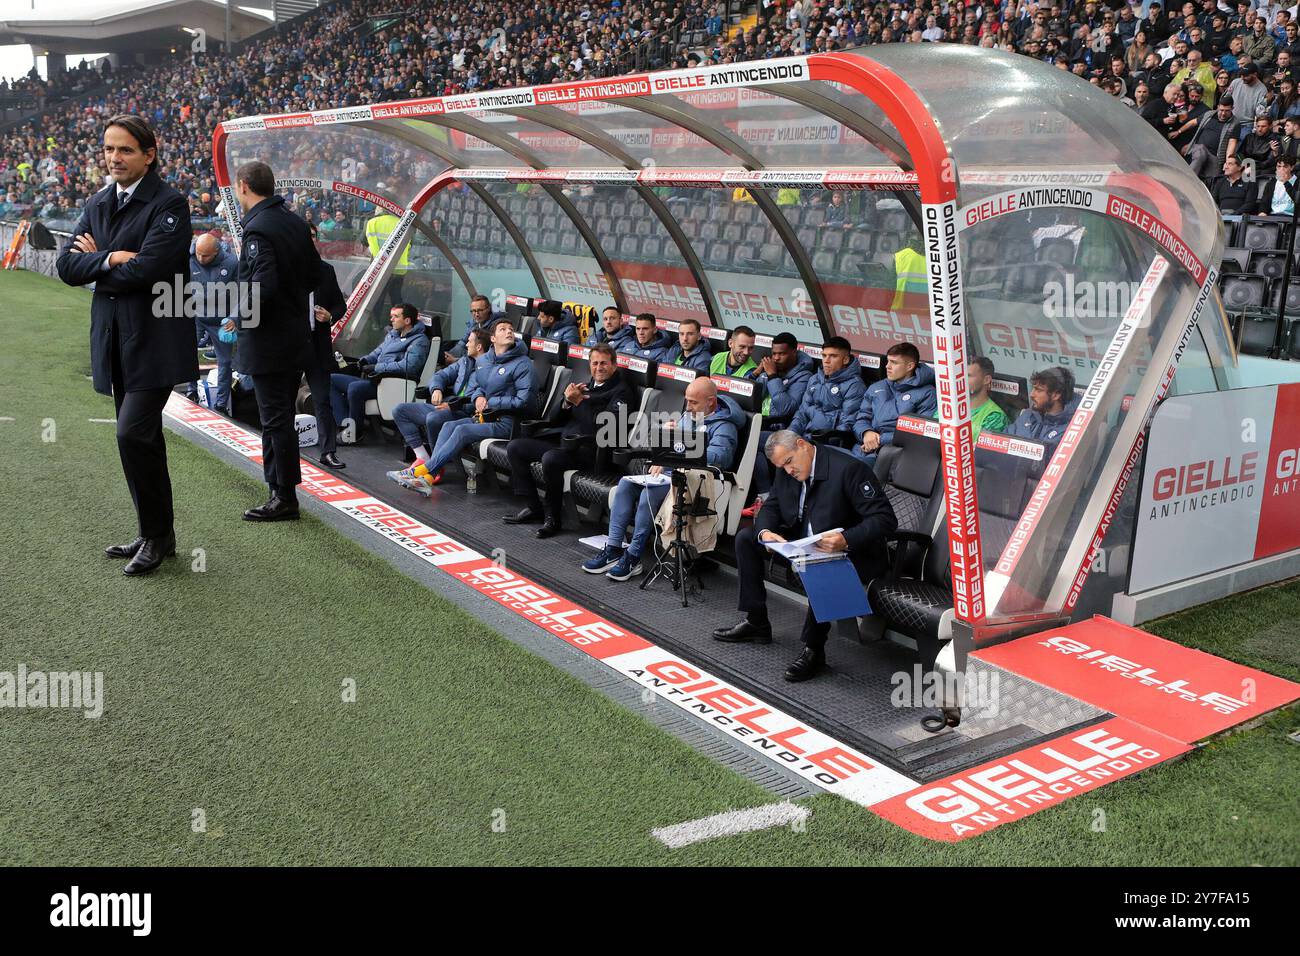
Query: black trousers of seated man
(276, 393)
(143, 451)
(555, 459)
(751, 558)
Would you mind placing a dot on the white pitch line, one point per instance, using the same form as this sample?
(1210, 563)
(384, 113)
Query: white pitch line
(103, 421)
(729, 824)
(6, 418)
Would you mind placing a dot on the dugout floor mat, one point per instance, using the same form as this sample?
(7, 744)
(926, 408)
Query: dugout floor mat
(853, 703)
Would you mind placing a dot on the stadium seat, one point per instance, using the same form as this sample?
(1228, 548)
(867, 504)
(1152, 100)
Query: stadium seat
(813, 216)
(1269, 263)
(1255, 334)
(1292, 295)
(1059, 251)
(830, 239)
(1243, 291)
(735, 483)
(1260, 234)
(1235, 259)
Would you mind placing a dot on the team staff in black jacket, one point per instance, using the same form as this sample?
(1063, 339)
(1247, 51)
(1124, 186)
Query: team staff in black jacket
(329, 308)
(279, 268)
(817, 488)
(576, 434)
(133, 234)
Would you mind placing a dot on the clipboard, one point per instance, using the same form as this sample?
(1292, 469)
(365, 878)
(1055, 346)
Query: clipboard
(833, 589)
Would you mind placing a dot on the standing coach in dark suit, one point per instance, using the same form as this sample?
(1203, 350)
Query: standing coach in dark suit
(817, 488)
(130, 236)
(329, 307)
(278, 270)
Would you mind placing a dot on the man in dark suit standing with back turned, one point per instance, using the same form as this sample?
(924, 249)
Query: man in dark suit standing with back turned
(130, 236)
(278, 269)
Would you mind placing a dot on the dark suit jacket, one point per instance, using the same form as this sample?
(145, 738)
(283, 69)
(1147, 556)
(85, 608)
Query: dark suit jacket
(278, 255)
(157, 352)
(579, 421)
(329, 297)
(843, 493)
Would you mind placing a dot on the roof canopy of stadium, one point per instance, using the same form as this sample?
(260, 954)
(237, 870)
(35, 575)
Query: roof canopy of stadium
(116, 27)
(984, 161)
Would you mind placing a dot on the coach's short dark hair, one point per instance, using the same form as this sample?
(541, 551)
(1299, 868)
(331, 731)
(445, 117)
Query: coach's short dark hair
(907, 350)
(603, 349)
(408, 310)
(984, 362)
(140, 131)
(837, 342)
(785, 338)
(482, 338)
(257, 176)
(694, 322)
(646, 317)
(741, 330)
(550, 307)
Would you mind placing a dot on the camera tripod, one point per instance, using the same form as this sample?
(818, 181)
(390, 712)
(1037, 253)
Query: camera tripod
(677, 564)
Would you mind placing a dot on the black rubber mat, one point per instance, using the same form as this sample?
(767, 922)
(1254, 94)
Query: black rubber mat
(853, 702)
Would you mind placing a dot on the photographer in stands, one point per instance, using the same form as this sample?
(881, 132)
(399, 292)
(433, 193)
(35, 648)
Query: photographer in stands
(715, 418)
(817, 488)
(691, 350)
(421, 422)
(611, 331)
(570, 444)
(402, 354)
(906, 389)
(1051, 405)
(501, 388)
(556, 323)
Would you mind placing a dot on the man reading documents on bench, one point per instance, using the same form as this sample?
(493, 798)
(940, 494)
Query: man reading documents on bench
(817, 488)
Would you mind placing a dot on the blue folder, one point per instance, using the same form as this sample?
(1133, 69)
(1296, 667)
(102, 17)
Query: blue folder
(833, 589)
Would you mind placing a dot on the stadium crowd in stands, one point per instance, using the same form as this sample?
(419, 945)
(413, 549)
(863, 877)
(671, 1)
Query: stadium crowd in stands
(1172, 65)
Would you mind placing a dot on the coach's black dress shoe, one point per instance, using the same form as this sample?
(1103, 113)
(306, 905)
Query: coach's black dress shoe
(744, 633)
(124, 550)
(277, 509)
(151, 554)
(807, 665)
(331, 460)
(550, 528)
(528, 515)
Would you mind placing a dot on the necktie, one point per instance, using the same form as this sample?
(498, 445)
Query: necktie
(122, 197)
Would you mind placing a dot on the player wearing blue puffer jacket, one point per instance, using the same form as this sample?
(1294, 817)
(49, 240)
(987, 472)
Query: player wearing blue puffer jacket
(834, 395)
(906, 389)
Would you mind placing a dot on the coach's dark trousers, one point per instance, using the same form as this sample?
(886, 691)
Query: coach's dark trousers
(142, 450)
(751, 561)
(276, 392)
(318, 380)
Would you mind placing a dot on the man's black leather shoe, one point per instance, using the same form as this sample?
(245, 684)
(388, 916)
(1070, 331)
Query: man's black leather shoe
(124, 550)
(151, 554)
(807, 665)
(528, 515)
(277, 509)
(331, 460)
(743, 633)
(549, 529)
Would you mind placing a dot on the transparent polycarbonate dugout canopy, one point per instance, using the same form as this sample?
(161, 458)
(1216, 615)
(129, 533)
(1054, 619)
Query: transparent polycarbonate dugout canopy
(1057, 228)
